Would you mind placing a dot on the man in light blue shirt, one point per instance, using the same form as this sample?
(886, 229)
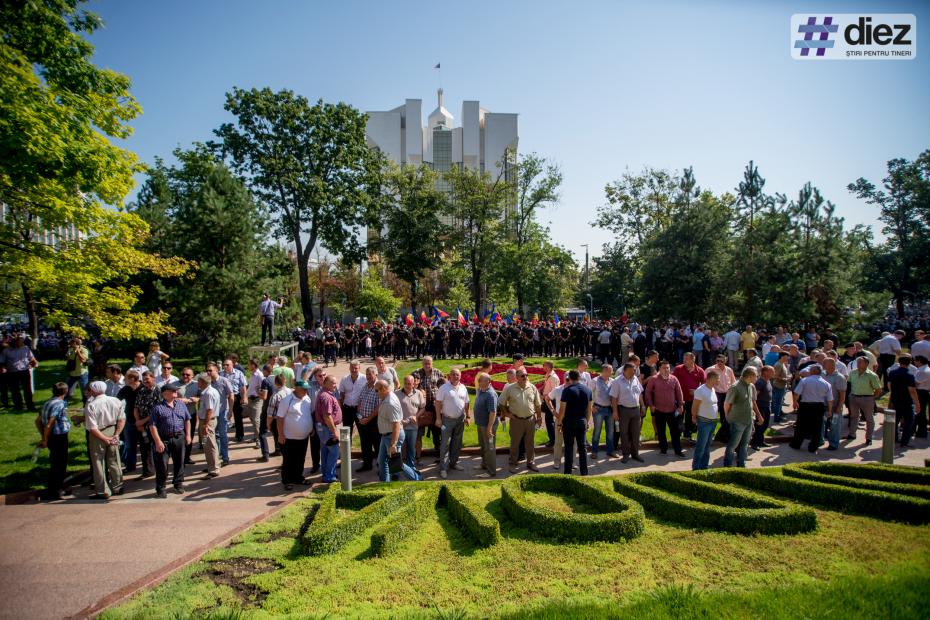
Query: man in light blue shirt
(813, 402)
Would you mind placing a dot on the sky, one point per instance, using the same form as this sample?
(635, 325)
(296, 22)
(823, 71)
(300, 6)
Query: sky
(600, 87)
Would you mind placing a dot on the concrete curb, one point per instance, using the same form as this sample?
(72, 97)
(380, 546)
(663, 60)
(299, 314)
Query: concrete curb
(159, 575)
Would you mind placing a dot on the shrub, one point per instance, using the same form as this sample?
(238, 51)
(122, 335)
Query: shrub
(873, 477)
(482, 527)
(328, 533)
(356, 500)
(702, 504)
(391, 534)
(621, 519)
(830, 496)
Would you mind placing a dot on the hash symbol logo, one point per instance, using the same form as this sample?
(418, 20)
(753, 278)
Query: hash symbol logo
(812, 27)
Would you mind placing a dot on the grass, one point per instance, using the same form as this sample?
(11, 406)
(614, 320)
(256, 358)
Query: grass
(18, 434)
(850, 567)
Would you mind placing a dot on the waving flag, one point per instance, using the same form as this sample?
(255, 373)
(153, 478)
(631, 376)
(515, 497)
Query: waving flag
(440, 313)
(409, 319)
(535, 320)
(557, 321)
(423, 317)
(496, 317)
(459, 318)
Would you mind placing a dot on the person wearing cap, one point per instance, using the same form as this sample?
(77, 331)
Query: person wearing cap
(104, 418)
(813, 402)
(296, 414)
(170, 428)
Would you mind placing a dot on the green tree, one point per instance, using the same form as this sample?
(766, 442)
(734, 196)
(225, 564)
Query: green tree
(412, 243)
(70, 256)
(311, 165)
(614, 281)
(901, 262)
(476, 205)
(374, 299)
(638, 205)
(212, 219)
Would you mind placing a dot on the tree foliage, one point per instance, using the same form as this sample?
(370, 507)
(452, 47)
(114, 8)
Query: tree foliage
(311, 165)
(376, 300)
(59, 170)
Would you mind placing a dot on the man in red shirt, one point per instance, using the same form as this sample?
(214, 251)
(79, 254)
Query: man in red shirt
(664, 398)
(691, 377)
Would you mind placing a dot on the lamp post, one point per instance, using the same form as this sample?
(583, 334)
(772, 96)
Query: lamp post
(591, 306)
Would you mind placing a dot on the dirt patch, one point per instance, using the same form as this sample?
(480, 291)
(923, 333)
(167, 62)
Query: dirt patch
(234, 572)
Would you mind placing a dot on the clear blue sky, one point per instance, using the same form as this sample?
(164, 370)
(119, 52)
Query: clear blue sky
(600, 87)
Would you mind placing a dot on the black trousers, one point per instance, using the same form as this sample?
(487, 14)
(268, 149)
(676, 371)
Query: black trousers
(174, 449)
(686, 424)
(550, 420)
(237, 418)
(349, 415)
(885, 361)
(315, 450)
(58, 463)
(723, 432)
(18, 380)
(664, 419)
(904, 419)
(268, 328)
(292, 465)
(807, 425)
(370, 439)
(758, 435)
(574, 440)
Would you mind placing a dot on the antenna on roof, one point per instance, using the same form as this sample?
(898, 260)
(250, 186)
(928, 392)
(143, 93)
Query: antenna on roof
(438, 68)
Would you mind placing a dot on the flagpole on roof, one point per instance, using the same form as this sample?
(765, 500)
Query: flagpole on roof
(438, 68)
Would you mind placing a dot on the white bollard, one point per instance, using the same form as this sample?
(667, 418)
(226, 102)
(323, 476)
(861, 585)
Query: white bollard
(888, 428)
(345, 457)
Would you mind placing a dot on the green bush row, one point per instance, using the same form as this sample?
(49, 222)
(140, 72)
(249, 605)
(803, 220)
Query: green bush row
(846, 477)
(830, 496)
(390, 535)
(701, 504)
(356, 500)
(478, 522)
(621, 519)
(900, 474)
(328, 533)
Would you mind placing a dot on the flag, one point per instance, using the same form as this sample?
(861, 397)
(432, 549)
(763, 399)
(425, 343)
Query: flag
(624, 318)
(409, 319)
(496, 317)
(440, 313)
(557, 321)
(459, 317)
(437, 66)
(423, 317)
(535, 320)
(586, 317)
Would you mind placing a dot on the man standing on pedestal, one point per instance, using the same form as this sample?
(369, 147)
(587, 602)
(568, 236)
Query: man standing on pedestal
(266, 310)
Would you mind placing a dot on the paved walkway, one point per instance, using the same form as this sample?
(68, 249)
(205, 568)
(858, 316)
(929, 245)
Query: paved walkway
(97, 553)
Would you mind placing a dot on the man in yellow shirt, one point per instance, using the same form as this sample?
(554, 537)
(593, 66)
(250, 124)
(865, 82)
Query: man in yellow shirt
(747, 340)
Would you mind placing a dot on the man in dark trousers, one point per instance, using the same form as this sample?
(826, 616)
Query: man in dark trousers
(169, 425)
(575, 417)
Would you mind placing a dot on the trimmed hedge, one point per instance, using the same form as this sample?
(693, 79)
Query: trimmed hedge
(483, 527)
(622, 519)
(830, 496)
(391, 534)
(328, 533)
(356, 500)
(702, 504)
(874, 477)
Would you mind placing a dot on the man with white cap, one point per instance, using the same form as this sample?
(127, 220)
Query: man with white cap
(104, 418)
(170, 428)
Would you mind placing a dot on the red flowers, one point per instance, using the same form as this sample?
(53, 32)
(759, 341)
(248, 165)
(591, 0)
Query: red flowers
(537, 375)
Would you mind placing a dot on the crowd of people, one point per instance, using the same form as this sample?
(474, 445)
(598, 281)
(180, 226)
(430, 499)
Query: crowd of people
(699, 384)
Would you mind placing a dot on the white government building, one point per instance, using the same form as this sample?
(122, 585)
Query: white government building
(481, 141)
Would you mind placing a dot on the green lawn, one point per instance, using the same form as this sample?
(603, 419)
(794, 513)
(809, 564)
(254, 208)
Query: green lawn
(18, 434)
(849, 567)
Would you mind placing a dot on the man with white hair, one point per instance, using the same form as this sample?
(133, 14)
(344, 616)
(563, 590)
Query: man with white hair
(104, 418)
(452, 413)
(208, 408)
(813, 402)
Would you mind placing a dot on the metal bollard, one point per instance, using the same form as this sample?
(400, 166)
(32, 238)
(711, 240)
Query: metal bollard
(888, 428)
(345, 457)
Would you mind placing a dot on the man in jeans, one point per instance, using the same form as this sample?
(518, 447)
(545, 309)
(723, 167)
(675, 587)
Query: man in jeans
(327, 415)
(366, 415)
(781, 381)
(704, 417)
(390, 427)
(603, 414)
(838, 382)
(486, 423)
(664, 397)
(740, 407)
(452, 415)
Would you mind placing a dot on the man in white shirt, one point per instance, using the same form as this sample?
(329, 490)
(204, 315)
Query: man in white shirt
(387, 373)
(704, 414)
(920, 346)
(115, 380)
(452, 408)
(139, 363)
(888, 348)
(732, 341)
(104, 418)
(390, 419)
(208, 411)
(350, 389)
(296, 414)
(922, 383)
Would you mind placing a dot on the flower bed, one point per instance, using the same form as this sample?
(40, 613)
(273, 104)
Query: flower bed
(536, 376)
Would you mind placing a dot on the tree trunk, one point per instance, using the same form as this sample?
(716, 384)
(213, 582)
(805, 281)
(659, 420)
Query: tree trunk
(306, 295)
(899, 304)
(31, 314)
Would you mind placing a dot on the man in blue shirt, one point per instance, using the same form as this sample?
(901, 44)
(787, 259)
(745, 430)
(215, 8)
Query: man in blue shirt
(902, 398)
(813, 402)
(53, 425)
(575, 417)
(485, 412)
(170, 429)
